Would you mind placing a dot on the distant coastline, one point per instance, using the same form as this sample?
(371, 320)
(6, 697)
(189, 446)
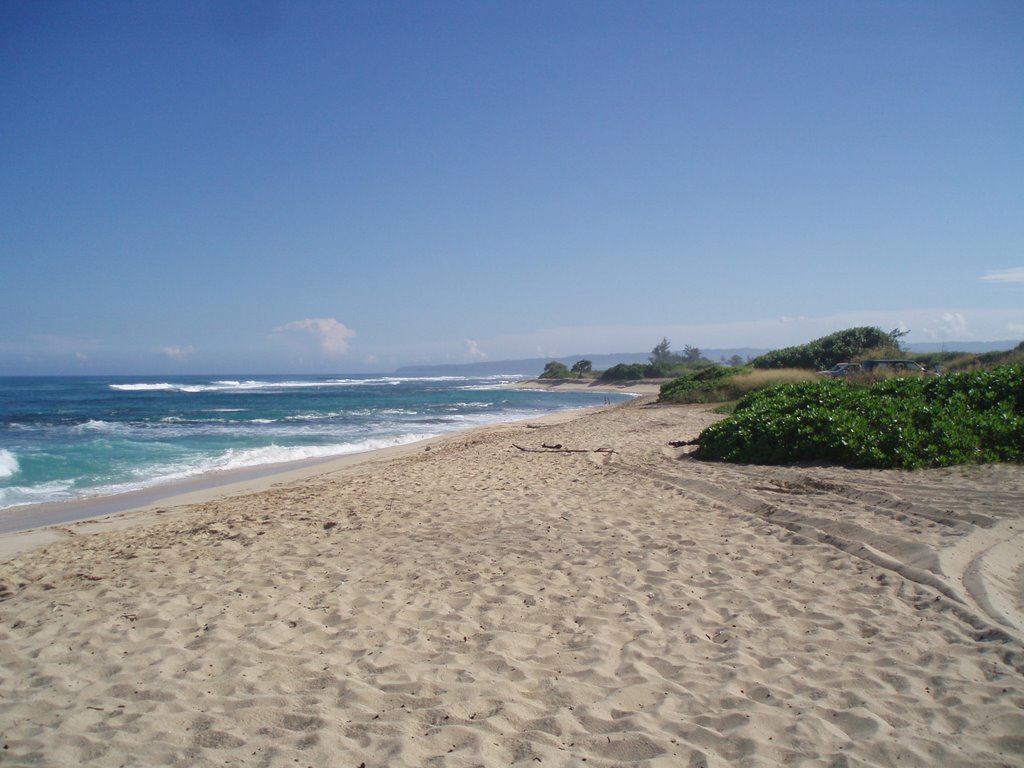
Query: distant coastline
(533, 367)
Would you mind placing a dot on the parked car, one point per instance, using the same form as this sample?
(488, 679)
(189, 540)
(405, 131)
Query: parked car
(899, 367)
(841, 369)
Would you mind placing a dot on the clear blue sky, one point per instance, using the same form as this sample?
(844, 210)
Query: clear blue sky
(342, 187)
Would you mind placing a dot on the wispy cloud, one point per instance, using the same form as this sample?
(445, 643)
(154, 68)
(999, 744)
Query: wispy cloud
(330, 336)
(1011, 275)
(949, 325)
(177, 353)
(473, 351)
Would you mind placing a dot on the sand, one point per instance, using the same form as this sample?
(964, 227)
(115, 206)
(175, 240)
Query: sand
(475, 604)
(645, 387)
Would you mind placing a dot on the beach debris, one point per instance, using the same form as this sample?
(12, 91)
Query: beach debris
(557, 448)
(681, 443)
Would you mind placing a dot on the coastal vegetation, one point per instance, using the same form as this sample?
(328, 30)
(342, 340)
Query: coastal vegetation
(663, 363)
(721, 384)
(783, 412)
(839, 347)
(555, 370)
(909, 422)
(964, 361)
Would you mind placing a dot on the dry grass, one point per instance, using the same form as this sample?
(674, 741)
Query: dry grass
(736, 387)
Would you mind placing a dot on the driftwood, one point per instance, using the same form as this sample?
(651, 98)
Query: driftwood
(681, 443)
(557, 448)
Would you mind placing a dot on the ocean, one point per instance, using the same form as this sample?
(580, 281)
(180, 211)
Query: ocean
(65, 439)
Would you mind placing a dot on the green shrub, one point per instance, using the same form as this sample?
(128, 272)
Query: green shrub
(555, 370)
(623, 372)
(908, 423)
(696, 386)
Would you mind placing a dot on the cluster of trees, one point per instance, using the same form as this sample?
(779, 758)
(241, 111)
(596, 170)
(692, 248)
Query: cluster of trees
(853, 344)
(557, 370)
(662, 364)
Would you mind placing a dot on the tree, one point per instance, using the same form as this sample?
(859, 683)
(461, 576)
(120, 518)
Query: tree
(582, 367)
(691, 354)
(661, 353)
(735, 361)
(555, 370)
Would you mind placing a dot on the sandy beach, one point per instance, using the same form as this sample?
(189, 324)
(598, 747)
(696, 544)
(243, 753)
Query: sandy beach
(647, 387)
(569, 592)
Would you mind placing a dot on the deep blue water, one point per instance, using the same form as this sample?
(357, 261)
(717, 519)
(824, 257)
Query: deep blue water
(65, 438)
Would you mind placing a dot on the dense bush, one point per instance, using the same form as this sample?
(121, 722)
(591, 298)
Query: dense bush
(697, 386)
(624, 372)
(827, 351)
(904, 422)
(555, 370)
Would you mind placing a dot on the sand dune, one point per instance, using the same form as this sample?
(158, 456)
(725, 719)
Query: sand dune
(479, 605)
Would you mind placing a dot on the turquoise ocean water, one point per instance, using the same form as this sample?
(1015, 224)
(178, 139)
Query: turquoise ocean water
(65, 438)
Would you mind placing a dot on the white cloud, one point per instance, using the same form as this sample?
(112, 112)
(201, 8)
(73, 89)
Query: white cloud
(949, 326)
(1011, 275)
(81, 357)
(177, 353)
(330, 336)
(473, 351)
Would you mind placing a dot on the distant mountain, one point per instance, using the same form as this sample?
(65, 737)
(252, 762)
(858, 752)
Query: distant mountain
(535, 366)
(962, 346)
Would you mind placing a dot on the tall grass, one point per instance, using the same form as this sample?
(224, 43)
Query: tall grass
(736, 387)
(719, 384)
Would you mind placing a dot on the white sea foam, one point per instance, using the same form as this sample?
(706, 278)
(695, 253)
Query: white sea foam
(8, 463)
(236, 385)
(232, 459)
(490, 387)
(98, 425)
(58, 490)
(143, 387)
(276, 454)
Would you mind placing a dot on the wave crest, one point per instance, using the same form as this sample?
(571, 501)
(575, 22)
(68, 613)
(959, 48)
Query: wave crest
(8, 463)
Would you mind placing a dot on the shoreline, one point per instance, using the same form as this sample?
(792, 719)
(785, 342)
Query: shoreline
(572, 590)
(28, 526)
(633, 387)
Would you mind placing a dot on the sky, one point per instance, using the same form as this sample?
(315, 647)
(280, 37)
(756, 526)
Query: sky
(286, 187)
